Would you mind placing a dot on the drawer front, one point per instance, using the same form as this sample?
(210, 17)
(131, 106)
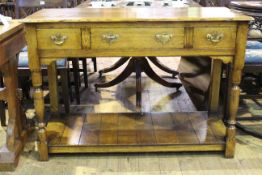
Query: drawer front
(59, 38)
(220, 37)
(137, 38)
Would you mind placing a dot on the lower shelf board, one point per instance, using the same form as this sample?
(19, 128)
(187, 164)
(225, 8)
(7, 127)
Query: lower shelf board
(136, 132)
(133, 148)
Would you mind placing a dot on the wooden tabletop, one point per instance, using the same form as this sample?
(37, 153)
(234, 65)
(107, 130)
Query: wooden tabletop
(135, 14)
(6, 31)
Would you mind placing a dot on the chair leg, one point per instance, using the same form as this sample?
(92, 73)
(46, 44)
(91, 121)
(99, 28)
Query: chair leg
(138, 85)
(2, 105)
(24, 84)
(76, 79)
(65, 89)
(85, 71)
(260, 79)
(94, 62)
(2, 113)
(70, 86)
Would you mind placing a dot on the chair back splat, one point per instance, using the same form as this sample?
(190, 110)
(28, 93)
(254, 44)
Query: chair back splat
(27, 7)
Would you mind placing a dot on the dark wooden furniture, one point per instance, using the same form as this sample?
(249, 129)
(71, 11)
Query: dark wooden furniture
(138, 65)
(11, 42)
(254, 9)
(216, 32)
(62, 70)
(84, 68)
(27, 7)
(252, 71)
(7, 9)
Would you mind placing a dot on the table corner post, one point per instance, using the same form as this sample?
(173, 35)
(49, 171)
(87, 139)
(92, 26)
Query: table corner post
(35, 67)
(234, 89)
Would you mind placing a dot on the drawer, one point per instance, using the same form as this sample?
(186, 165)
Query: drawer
(137, 38)
(59, 38)
(220, 37)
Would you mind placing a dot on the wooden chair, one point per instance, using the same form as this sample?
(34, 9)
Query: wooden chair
(252, 78)
(254, 9)
(215, 3)
(76, 67)
(26, 7)
(62, 68)
(251, 84)
(7, 9)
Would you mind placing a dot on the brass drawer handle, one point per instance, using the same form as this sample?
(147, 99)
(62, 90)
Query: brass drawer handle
(164, 37)
(215, 37)
(110, 38)
(58, 39)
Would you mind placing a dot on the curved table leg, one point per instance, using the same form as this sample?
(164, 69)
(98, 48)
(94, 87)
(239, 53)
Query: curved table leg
(151, 74)
(119, 63)
(161, 66)
(122, 76)
(138, 65)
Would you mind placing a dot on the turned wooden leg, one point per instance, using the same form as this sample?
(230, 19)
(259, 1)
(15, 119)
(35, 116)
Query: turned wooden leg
(119, 63)
(53, 89)
(214, 87)
(234, 92)
(40, 113)
(35, 68)
(234, 78)
(161, 66)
